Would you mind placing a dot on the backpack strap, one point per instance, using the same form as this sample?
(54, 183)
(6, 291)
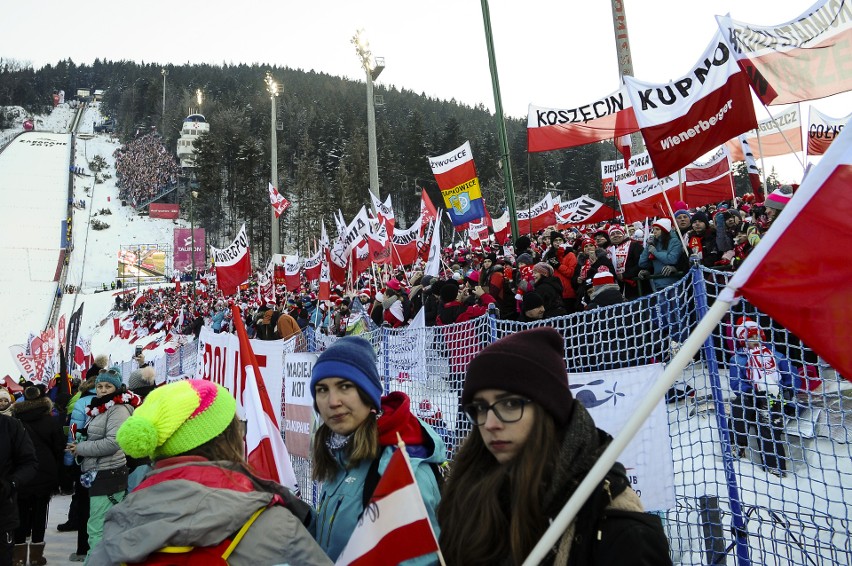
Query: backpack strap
(239, 536)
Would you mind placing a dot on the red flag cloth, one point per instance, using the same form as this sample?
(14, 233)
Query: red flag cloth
(622, 144)
(395, 526)
(427, 209)
(265, 449)
(233, 264)
(709, 182)
(808, 294)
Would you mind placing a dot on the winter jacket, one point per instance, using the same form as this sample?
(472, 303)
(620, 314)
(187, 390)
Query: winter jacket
(661, 258)
(705, 246)
(190, 501)
(564, 264)
(218, 317)
(341, 499)
(738, 371)
(48, 439)
(550, 289)
(99, 450)
(605, 295)
(18, 464)
(78, 413)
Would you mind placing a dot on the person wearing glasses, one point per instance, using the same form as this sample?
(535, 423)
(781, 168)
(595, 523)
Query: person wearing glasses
(353, 446)
(104, 466)
(531, 445)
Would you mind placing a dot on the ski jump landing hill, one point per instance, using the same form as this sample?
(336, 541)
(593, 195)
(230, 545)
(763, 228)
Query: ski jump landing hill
(34, 182)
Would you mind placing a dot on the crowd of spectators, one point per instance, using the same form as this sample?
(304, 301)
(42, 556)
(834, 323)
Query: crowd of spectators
(144, 168)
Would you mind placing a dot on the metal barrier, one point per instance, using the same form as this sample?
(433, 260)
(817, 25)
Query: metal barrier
(731, 507)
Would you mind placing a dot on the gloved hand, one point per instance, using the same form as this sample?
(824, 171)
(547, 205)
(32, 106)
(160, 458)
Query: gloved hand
(644, 274)
(667, 270)
(652, 250)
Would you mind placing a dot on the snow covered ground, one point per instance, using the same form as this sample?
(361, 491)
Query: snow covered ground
(33, 198)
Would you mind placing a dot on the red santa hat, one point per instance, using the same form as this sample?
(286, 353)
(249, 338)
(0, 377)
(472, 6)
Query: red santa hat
(748, 329)
(603, 277)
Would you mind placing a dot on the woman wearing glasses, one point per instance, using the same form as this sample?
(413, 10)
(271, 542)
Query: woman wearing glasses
(103, 464)
(532, 444)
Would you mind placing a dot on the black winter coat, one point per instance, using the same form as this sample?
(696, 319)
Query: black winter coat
(48, 440)
(550, 289)
(18, 464)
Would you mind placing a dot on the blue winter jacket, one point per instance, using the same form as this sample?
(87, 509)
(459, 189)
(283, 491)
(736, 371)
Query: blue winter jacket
(340, 502)
(78, 413)
(218, 317)
(738, 371)
(662, 258)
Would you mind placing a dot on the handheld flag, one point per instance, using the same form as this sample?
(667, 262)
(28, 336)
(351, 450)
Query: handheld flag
(265, 449)
(808, 294)
(395, 526)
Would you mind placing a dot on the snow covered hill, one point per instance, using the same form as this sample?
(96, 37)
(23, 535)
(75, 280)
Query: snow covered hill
(32, 205)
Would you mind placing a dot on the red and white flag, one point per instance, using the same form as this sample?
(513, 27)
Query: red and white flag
(292, 267)
(808, 294)
(265, 449)
(538, 217)
(279, 203)
(427, 209)
(637, 169)
(384, 212)
(405, 244)
(822, 130)
(583, 210)
(688, 117)
(502, 228)
(233, 264)
(395, 525)
(558, 128)
(324, 291)
(779, 135)
(802, 59)
(312, 266)
(709, 182)
(646, 200)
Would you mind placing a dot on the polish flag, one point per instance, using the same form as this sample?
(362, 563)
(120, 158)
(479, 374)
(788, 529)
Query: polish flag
(279, 203)
(265, 450)
(405, 244)
(646, 200)
(688, 117)
(822, 130)
(233, 264)
(384, 212)
(559, 128)
(623, 145)
(709, 182)
(395, 525)
(583, 210)
(325, 271)
(291, 272)
(427, 209)
(808, 293)
(312, 266)
(502, 229)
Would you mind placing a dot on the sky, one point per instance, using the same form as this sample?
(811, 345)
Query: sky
(549, 53)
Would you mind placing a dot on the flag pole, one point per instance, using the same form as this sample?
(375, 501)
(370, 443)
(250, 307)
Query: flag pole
(616, 447)
(671, 215)
(762, 165)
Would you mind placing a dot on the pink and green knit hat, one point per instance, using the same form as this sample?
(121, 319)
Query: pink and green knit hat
(176, 418)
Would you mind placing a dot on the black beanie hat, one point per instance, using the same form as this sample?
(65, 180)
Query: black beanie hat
(449, 291)
(522, 244)
(556, 234)
(532, 300)
(530, 363)
(701, 217)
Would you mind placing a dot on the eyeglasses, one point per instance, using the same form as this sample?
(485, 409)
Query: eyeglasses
(509, 410)
(111, 371)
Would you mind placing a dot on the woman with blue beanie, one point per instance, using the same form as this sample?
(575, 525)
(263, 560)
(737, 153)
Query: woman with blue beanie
(352, 447)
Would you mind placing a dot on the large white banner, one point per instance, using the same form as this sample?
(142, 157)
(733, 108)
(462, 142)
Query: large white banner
(299, 408)
(611, 396)
(219, 361)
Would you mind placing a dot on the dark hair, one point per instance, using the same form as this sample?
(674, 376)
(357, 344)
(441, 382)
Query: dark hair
(496, 510)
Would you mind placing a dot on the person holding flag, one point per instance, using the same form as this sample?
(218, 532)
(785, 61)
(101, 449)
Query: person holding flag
(531, 445)
(202, 499)
(359, 434)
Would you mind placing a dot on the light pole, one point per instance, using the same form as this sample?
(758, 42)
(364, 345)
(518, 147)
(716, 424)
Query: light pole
(272, 88)
(192, 197)
(165, 73)
(373, 69)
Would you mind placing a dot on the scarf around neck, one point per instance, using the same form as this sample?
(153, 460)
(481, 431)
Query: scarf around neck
(100, 405)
